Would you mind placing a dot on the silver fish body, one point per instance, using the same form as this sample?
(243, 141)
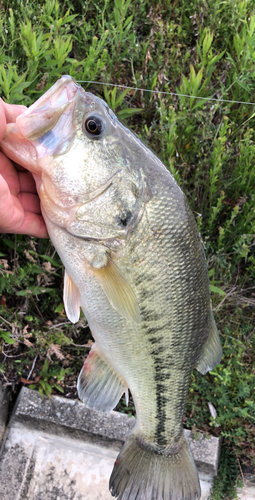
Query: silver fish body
(135, 264)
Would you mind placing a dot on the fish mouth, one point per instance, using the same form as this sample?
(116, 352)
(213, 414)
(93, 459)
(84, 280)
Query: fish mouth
(63, 90)
(44, 114)
(24, 140)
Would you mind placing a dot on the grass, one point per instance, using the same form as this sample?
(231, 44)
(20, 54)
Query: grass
(198, 48)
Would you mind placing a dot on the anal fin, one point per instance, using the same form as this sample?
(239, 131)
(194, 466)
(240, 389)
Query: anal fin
(99, 386)
(71, 299)
(211, 353)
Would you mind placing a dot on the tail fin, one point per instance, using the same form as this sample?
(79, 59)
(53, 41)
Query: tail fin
(142, 474)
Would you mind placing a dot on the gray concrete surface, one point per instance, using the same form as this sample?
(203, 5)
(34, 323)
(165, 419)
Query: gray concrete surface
(57, 449)
(248, 490)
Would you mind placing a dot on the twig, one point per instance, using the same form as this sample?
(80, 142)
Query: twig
(59, 324)
(14, 356)
(40, 314)
(223, 300)
(244, 486)
(33, 365)
(250, 334)
(78, 345)
(5, 321)
(6, 379)
(66, 323)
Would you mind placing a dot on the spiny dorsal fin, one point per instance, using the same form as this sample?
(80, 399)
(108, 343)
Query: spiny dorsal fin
(118, 291)
(99, 386)
(71, 299)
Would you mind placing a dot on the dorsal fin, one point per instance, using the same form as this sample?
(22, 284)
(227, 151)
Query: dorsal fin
(211, 353)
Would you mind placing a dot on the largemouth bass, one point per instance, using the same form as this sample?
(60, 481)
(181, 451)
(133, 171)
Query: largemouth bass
(134, 262)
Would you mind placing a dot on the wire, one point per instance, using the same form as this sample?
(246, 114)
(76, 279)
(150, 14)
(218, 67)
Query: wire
(167, 93)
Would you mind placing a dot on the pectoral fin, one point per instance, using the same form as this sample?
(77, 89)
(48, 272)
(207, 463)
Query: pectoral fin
(211, 353)
(71, 299)
(118, 291)
(99, 386)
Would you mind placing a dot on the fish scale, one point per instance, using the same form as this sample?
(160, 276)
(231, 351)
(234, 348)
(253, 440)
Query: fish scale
(134, 262)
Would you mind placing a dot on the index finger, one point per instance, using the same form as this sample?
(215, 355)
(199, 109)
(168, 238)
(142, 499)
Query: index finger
(12, 111)
(2, 120)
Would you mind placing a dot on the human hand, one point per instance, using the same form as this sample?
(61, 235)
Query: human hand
(20, 211)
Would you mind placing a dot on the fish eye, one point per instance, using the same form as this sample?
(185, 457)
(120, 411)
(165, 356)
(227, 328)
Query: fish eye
(94, 125)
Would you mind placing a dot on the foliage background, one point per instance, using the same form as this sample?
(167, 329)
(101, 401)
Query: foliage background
(198, 48)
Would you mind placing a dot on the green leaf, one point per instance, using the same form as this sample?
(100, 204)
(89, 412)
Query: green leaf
(127, 21)
(59, 308)
(125, 113)
(34, 290)
(48, 389)
(41, 392)
(119, 99)
(44, 370)
(199, 103)
(215, 59)
(52, 261)
(53, 62)
(9, 243)
(215, 289)
(69, 19)
(18, 87)
(207, 42)
(6, 337)
(35, 269)
(59, 388)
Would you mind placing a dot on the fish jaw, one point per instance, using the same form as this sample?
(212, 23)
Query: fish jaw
(44, 114)
(31, 137)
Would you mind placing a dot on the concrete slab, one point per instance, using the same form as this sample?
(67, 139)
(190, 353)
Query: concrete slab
(206, 453)
(59, 449)
(36, 465)
(60, 416)
(248, 491)
(40, 466)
